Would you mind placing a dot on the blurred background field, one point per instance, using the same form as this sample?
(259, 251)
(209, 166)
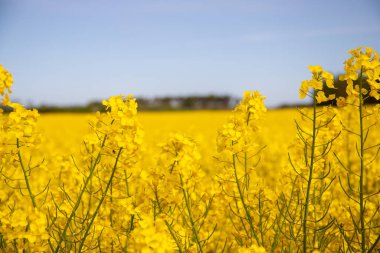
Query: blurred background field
(63, 132)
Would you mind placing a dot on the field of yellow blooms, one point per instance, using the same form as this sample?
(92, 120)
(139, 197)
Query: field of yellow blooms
(245, 180)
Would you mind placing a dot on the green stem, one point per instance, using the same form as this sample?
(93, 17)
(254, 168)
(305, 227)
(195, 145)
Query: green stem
(195, 232)
(361, 194)
(157, 201)
(76, 206)
(247, 214)
(25, 175)
(27, 184)
(126, 183)
(100, 202)
(174, 237)
(306, 213)
(111, 220)
(15, 248)
(374, 244)
(261, 218)
(131, 226)
(246, 176)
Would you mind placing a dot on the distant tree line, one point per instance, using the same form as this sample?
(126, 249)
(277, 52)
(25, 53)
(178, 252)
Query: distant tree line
(209, 102)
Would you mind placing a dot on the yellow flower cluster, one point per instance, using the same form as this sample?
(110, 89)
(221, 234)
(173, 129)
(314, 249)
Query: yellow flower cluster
(6, 82)
(179, 197)
(119, 120)
(320, 78)
(362, 64)
(21, 219)
(21, 124)
(108, 163)
(237, 134)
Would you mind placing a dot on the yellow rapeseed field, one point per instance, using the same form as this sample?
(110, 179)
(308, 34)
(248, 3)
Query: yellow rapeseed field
(245, 180)
(63, 132)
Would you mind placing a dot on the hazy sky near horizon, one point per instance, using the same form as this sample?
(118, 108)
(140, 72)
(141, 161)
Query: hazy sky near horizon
(75, 51)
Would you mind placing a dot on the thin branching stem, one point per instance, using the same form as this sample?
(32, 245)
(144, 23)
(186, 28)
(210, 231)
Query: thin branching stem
(26, 178)
(361, 183)
(190, 213)
(100, 202)
(310, 178)
(79, 199)
(248, 215)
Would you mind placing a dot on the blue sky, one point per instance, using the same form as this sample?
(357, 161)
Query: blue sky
(76, 51)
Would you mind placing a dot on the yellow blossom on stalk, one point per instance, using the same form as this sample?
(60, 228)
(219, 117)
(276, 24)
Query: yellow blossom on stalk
(178, 152)
(366, 62)
(178, 158)
(237, 146)
(178, 194)
(315, 70)
(119, 124)
(18, 130)
(6, 82)
(111, 151)
(321, 97)
(21, 124)
(234, 136)
(21, 221)
(319, 77)
(329, 79)
(252, 105)
(362, 74)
